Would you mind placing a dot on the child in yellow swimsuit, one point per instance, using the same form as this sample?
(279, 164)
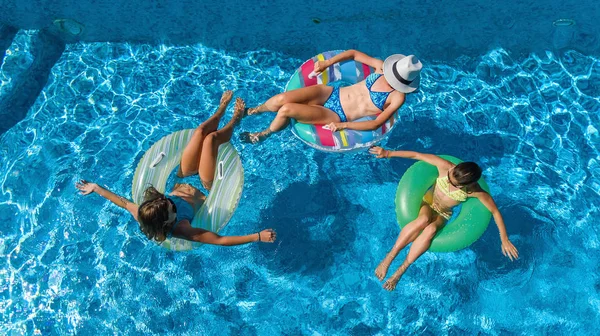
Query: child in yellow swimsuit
(454, 185)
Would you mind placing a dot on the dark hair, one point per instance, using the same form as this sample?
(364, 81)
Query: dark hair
(153, 215)
(466, 173)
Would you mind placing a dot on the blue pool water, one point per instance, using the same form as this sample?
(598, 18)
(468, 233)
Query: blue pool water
(74, 264)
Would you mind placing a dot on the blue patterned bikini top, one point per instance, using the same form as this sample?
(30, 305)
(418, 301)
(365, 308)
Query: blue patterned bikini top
(377, 97)
(183, 209)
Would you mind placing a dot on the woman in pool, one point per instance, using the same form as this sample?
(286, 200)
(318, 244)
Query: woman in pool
(160, 216)
(454, 185)
(382, 92)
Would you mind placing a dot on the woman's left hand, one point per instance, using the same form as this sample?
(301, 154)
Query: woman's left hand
(509, 250)
(334, 127)
(86, 187)
(320, 66)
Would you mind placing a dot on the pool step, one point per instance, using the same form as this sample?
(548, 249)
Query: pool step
(26, 66)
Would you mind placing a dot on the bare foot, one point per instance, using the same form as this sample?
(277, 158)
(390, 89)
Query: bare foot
(390, 284)
(225, 133)
(255, 110)
(382, 269)
(211, 124)
(238, 109)
(255, 138)
(226, 97)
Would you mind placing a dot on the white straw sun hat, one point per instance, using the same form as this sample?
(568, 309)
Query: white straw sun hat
(403, 72)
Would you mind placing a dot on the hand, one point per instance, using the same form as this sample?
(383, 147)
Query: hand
(320, 66)
(509, 250)
(267, 236)
(334, 127)
(86, 187)
(379, 152)
(226, 97)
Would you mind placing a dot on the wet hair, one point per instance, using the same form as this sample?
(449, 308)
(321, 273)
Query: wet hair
(153, 215)
(466, 173)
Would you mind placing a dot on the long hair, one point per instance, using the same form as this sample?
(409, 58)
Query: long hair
(153, 215)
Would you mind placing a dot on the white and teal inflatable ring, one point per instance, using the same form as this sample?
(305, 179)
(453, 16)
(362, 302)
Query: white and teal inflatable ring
(159, 161)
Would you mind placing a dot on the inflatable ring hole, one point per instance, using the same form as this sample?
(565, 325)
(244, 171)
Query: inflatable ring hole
(563, 23)
(455, 212)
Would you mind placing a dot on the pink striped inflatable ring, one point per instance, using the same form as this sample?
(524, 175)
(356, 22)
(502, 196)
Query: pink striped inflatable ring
(316, 136)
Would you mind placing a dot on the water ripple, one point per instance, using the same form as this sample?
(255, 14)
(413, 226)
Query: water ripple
(74, 264)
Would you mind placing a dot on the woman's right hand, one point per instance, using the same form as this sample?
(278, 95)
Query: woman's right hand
(86, 187)
(320, 66)
(267, 236)
(379, 152)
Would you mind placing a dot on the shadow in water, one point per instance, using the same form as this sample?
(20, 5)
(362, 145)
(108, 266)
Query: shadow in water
(496, 272)
(311, 230)
(46, 50)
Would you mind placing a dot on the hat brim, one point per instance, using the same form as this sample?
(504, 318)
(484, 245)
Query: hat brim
(388, 73)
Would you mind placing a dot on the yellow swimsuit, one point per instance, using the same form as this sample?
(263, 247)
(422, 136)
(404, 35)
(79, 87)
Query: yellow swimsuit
(443, 185)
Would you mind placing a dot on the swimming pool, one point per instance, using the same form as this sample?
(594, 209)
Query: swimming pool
(73, 264)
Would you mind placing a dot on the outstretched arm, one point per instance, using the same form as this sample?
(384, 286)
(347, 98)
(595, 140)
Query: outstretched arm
(508, 249)
(356, 55)
(186, 231)
(87, 188)
(429, 158)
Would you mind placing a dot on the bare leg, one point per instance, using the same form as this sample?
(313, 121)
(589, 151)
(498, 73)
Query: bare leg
(310, 114)
(421, 244)
(312, 95)
(210, 148)
(192, 152)
(408, 234)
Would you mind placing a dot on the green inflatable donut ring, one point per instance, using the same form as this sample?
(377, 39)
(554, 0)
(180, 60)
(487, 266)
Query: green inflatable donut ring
(464, 230)
(159, 161)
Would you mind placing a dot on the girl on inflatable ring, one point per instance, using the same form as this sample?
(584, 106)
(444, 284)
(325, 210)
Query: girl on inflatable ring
(161, 217)
(455, 183)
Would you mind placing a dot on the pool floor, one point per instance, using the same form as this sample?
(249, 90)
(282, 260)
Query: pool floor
(74, 264)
